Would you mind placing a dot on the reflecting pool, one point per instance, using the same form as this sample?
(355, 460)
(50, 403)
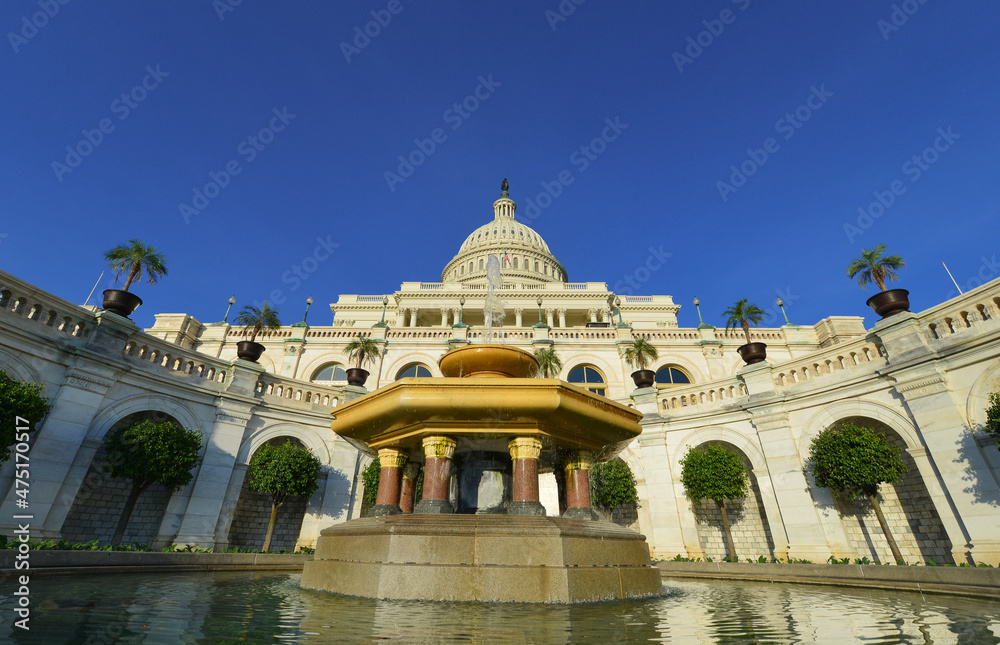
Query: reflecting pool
(242, 607)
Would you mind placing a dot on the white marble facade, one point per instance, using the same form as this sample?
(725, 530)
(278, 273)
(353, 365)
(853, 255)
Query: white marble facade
(921, 378)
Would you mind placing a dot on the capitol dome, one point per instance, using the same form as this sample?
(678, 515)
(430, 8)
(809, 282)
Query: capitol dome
(524, 256)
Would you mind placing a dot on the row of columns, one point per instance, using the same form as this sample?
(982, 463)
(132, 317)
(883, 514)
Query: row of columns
(407, 316)
(398, 480)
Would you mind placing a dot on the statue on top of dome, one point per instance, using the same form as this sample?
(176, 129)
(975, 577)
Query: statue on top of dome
(504, 187)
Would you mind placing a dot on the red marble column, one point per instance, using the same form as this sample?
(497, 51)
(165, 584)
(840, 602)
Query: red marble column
(438, 452)
(410, 474)
(524, 451)
(578, 504)
(387, 502)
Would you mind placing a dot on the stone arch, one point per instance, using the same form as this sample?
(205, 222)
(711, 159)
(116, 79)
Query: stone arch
(909, 509)
(100, 498)
(834, 412)
(721, 434)
(391, 368)
(979, 393)
(751, 529)
(696, 373)
(251, 511)
(19, 370)
(110, 416)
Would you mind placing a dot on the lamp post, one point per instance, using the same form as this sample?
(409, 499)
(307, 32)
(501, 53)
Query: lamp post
(541, 323)
(697, 305)
(618, 305)
(385, 303)
(781, 305)
(461, 311)
(232, 301)
(309, 302)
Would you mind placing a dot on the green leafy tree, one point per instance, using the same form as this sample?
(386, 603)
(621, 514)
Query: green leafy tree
(549, 363)
(362, 350)
(743, 314)
(852, 460)
(254, 320)
(715, 473)
(992, 425)
(875, 267)
(612, 484)
(150, 451)
(20, 402)
(639, 353)
(134, 258)
(282, 472)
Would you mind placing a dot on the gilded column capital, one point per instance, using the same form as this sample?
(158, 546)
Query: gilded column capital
(524, 448)
(438, 447)
(391, 458)
(579, 460)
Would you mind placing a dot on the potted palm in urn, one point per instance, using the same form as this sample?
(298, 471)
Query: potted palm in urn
(743, 314)
(874, 266)
(131, 259)
(637, 355)
(361, 350)
(254, 321)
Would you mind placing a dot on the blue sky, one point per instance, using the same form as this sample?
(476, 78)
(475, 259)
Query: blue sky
(822, 105)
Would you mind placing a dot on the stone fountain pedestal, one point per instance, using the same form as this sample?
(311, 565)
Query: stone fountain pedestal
(485, 558)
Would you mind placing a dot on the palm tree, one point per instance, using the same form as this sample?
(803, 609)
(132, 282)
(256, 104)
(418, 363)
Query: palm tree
(639, 352)
(549, 363)
(254, 320)
(872, 266)
(362, 350)
(743, 314)
(133, 259)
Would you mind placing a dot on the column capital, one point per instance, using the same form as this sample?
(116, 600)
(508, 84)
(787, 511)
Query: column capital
(524, 448)
(579, 460)
(438, 447)
(391, 458)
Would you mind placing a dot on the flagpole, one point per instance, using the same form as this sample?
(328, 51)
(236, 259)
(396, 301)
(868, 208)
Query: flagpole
(952, 277)
(93, 290)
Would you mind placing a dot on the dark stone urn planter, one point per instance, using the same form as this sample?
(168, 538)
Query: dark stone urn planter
(249, 350)
(120, 302)
(890, 302)
(753, 352)
(644, 378)
(357, 376)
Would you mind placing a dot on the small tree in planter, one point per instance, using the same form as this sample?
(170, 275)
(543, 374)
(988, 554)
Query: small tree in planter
(131, 259)
(360, 351)
(282, 471)
(612, 484)
(22, 408)
(637, 355)
(549, 363)
(715, 473)
(992, 425)
(254, 321)
(743, 314)
(851, 460)
(874, 266)
(150, 451)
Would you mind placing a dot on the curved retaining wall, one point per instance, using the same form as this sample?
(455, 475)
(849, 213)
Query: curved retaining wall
(963, 581)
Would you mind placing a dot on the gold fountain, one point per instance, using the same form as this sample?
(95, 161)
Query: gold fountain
(485, 402)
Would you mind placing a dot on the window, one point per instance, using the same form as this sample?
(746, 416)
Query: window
(588, 377)
(413, 370)
(536, 267)
(515, 263)
(332, 373)
(671, 375)
(482, 264)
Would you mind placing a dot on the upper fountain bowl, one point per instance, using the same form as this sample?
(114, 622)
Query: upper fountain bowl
(488, 361)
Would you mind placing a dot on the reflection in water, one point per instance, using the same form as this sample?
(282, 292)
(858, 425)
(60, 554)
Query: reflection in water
(238, 607)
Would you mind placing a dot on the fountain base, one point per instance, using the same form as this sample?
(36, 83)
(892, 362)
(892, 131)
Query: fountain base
(484, 558)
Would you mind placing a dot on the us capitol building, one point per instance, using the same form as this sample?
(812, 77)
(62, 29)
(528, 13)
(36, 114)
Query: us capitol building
(921, 378)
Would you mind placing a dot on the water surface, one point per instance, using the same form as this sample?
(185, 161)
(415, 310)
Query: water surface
(243, 607)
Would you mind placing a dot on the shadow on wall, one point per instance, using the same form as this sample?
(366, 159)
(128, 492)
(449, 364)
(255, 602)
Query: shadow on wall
(971, 450)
